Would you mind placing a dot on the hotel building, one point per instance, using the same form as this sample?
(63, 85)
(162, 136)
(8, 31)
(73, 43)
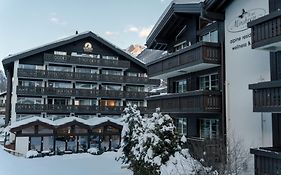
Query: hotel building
(208, 65)
(68, 96)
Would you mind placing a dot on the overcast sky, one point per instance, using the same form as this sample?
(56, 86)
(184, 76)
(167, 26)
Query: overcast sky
(25, 24)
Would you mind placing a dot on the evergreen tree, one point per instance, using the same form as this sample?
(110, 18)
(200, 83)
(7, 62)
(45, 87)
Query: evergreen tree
(150, 146)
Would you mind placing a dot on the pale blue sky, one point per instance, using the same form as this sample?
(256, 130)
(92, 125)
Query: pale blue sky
(25, 24)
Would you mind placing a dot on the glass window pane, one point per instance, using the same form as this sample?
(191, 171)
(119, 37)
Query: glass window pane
(48, 143)
(214, 37)
(35, 143)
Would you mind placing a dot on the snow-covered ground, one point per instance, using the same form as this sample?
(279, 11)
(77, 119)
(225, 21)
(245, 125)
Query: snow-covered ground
(73, 164)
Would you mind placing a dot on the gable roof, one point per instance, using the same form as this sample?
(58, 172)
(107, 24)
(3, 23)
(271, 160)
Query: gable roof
(176, 6)
(68, 40)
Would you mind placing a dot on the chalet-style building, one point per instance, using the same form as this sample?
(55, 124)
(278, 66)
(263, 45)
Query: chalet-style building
(208, 66)
(68, 96)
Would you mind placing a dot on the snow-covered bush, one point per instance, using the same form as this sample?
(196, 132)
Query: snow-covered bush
(31, 154)
(93, 151)
(150, 146)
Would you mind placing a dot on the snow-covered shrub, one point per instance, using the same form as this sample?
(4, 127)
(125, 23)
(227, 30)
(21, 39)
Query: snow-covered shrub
(150, 146)
(93, 151)
(181, 163)
(31, 154)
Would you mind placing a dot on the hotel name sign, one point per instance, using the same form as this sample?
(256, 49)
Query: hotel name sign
(238, 27)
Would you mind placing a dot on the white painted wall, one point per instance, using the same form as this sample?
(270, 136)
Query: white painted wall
(22, 145)
(14, 92)
(245, 66)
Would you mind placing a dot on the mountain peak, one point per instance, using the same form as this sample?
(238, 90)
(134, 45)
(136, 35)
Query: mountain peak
(135, 49)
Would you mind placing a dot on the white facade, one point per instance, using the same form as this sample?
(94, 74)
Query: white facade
(245, 66)
(22, 145)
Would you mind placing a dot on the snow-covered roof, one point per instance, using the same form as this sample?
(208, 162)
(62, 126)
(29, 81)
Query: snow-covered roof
(90, 122)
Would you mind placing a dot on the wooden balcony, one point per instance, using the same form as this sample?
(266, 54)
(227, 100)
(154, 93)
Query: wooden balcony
(66, 109)
(266, 96)
(189, 102)
(267, 160)
(79, 60)
(83, 93)
(211, 150)
(197, 57)
(266, 32)
(87, 77)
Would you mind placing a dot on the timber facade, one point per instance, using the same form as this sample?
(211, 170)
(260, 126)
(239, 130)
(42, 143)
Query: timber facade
(68, 96)
(193, 67)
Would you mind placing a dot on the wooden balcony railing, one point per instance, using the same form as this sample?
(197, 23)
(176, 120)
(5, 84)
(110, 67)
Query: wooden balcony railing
(266, 32)
(85, 93)
(58, 75)
(189, 102)
(211, 150)
(201, 52)
(64, 109)
(266, 96)
(267, 160)
(79, 60)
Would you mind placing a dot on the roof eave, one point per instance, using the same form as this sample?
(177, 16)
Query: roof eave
(191, 8)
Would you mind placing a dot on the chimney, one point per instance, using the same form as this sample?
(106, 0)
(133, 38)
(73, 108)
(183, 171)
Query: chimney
(76, 32)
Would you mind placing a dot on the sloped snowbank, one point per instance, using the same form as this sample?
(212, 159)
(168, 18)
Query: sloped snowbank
(73, 164)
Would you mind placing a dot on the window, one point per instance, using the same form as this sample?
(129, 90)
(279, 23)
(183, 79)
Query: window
(35, 143)
(181, 125)
(111, 87)
(87, 70)
(110, 57)
(181, 86)
(209, 128)
(44, 130)
(59, 101)
(86, 86)
(87, 102)
(31, 66)
(59, 85)
(209, 82)
(48, 143)
(30, 83)
(29, 130)
(60, 68)
(111, 72)
(135, 88)
(110, 103)
(138, 103)
(29, 100)
(211, 37)
(135, 74)
(83, 143)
